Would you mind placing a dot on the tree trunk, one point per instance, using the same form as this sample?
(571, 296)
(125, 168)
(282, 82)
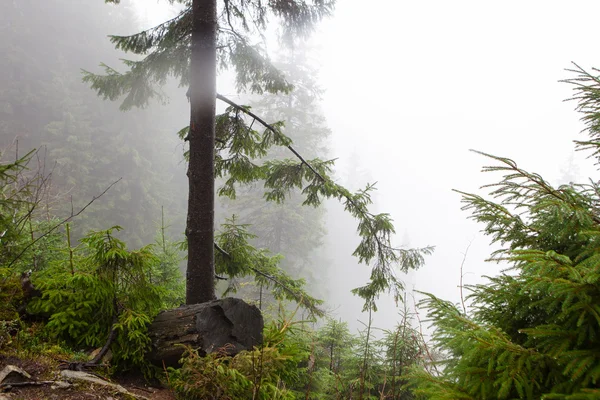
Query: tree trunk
(200, 277)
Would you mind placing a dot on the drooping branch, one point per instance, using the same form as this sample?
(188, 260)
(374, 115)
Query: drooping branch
(298, 155)
(375, 230)
(269, 277)
(299, 298)
(272, 129)
(279, 283)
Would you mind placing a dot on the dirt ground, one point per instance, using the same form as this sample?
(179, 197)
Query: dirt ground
(41, 372)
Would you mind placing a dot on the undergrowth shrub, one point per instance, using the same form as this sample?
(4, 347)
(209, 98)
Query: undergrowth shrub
(100, 286)
(11, 296)
(7, 330)
(88, 291)
(266, 372)
(531, 332)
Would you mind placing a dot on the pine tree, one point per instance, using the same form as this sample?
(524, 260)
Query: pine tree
(189, 47)
(336, 341)
(404, 349)
(532, 332)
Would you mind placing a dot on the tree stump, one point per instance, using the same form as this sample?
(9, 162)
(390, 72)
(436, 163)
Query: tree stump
(226, 325)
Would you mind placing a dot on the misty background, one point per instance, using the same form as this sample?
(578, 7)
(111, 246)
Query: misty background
(407, 89)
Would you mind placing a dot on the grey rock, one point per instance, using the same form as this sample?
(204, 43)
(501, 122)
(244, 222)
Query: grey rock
(14, 374)
(60, 385)
(227, 326)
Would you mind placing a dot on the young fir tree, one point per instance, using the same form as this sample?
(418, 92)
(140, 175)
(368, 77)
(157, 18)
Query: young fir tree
(532, 332)
(190, 47)
(100, 289)
(336, 341)
(403, 349)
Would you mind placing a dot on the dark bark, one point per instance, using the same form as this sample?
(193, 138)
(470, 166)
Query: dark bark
(200, 220)
(111, 338)
(225, 326)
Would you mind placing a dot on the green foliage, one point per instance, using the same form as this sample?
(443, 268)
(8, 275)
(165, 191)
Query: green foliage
(87, 290)
(296, 362)
(587, 94)
(16, 207)
(532, 332)
(336, 341)
(31, 341)
(20, 195)
(282, 177)
(7, 326)
(238, 258)
(403, 350)
(166, 51)
(132, 341)
(11, 296)
(164, 271)
(342, 365)
(262, 373)
(100, 286)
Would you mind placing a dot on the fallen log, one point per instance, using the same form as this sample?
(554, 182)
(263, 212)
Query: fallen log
(226, 326)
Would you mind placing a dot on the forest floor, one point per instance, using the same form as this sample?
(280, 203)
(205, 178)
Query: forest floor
(42, 370)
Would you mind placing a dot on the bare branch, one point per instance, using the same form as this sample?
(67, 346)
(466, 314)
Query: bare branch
(64, 221)
(462, 264)
(27, 383)
(425, 346)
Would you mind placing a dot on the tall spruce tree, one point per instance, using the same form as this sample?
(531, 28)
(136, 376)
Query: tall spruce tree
(187, 46)
(532, 332)
(190, 46)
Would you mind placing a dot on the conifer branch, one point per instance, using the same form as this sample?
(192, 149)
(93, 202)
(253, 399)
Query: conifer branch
(272, 129)
(273, 279)
(375, 230)
(228, 13)
(299, 299)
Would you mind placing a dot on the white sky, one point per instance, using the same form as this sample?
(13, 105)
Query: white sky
(412, 85)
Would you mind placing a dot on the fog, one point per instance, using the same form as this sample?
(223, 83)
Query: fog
(409, 88)
(412, 86)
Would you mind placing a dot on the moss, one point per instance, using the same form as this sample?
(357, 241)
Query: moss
(11, 298)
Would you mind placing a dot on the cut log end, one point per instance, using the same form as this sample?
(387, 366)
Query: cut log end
(226, 326)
